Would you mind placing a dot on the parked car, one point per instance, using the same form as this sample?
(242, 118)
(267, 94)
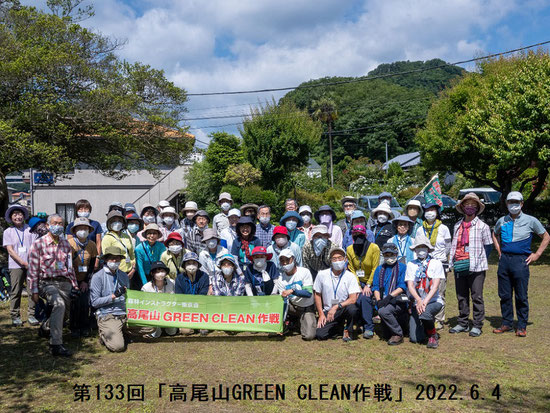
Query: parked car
(448, 202)
(367, 203)
(488, 196)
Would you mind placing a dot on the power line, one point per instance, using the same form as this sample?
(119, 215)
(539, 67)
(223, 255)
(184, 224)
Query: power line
(362, 79)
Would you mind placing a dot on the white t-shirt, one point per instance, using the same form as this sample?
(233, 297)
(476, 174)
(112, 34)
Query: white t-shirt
(335, 288)
(435, 270)
(300, 279)
(169, 288)
(442, 245)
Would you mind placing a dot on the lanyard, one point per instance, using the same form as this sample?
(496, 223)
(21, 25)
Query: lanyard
(145, 247)
(21, 240)
(115, 281)
(431, 230)
(81, 255)
(120, 241)
(337, 285)
(191, 286)
(378, 233)
(402, 252)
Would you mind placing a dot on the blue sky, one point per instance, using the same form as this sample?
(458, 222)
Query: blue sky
(220, 45)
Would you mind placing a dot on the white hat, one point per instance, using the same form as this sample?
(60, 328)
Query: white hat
(383, 207)
(190, 206)
(319, 229)
(305, 208)
(415, 203)
(514, 196)
(421, 240)
(163, 203)
(225, 195)
(287, 252)
(234, 213)
(168, 210)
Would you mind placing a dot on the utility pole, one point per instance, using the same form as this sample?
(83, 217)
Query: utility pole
(387, 157)
(330, 152)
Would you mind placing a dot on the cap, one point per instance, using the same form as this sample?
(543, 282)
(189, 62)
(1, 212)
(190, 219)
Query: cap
(163, 203)
(336, 249)
(287, 253)
(305, 208)
(359, 229)
(348, 198)
(159, 265)
(514, 196)
(225, 195)
(191, 256)
(34, 221)
(319, 229)
(389, 247)
(261, 250)
(234, 213)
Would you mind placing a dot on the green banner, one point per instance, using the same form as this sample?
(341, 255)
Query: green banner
(207, 312)
(432, 192)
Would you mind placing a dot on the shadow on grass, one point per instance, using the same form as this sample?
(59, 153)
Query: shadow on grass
(26, 363)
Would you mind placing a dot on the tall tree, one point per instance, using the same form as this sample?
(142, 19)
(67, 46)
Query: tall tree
(494, 125)
(224, 150)
(66, 98)
(324, 110)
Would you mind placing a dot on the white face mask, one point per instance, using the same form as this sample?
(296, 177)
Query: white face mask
(382, 218)
(289, 267)
(168, 220)
(82, 234)
(514, 208)
(291, 225)
(133, 228)
(349, 213)
(281, 241)
(265, 220)
(225, 206)
(421, 253)
(260, 263)
(175, 249)
(390, 260)
(430, 215)
(338, 265)
(227, 270)
(212, 243)
(192, 268)
(116, 226)
(159, 276)
(319, 245)
(149, 219)
(113, 265)
(83, 214)
(306, 218)
(189, 215)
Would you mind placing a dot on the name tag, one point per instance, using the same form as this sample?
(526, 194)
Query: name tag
(334, 302)
(59, 265)
(128, 260)
(22, 250)
(82, 268)
(360, 273)
(467, 249)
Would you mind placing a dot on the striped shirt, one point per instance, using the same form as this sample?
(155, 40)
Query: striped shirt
(220, 286)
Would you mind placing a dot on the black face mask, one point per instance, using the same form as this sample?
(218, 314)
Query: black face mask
(359, 239)
(41, 231)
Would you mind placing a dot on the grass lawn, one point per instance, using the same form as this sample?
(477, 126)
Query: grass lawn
(32, 380)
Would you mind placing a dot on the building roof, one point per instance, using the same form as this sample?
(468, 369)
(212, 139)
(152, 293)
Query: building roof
(406, 160)
(312, 164)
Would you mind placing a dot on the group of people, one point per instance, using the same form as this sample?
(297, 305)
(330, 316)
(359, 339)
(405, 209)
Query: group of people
(336, 277)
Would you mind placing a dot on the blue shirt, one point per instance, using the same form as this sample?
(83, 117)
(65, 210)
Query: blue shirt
(92, 235)
(387, 278)
(348, 239)
(403, 247)
(255, 278)
(516, 235)
(145, 256)
(198, 287)
(264, 234)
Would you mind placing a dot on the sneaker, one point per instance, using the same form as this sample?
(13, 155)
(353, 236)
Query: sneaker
(16, 322)
(439, 325)
(475, 332)
(204, 333)
(346, 338)
(33, 321)
(43, 333)
(433, 342)
(458, 329)
(376, 319)
(368, 334)
(502, 329)
(59, 350)
(521, 332)
(395, 340)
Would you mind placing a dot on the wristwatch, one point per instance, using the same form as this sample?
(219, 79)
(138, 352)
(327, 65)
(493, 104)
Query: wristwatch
(340, 306)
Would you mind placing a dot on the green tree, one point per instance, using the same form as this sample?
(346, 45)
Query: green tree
(494, 125)
(242, 175)
(277, 140)
(224, 151)
(66, 98)
(324, 110)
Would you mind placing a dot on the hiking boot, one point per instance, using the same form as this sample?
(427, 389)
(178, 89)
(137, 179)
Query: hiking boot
(458, 329)
(475, 332)
(439, 325)
(376, 319)
(43, 333)
(16, 322)
(33, 321)
(346, 338)
(502, 329)
(395, 340)
(433, 342)
(368, 334)
(59, 350)
(521, 332)
(204, 333)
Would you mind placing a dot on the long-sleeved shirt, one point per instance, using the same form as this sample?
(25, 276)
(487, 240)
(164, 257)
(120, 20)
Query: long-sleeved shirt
(479, 237)
(400, 282)
(315, 263)
(146, 256)
(193, 240)
(220, 222)
(208, 261)
(173, 262)
(297, 237)
(229, 235)
(366, 263)
(275, 250)
(102, 287)
(49, 259)
(348, 238)
(235, 287)
(199, 286)
(239, 253)
(264, 234)
(123, 241)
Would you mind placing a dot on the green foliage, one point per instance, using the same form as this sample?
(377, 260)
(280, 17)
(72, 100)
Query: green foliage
(494, 125)
(310, 184)
(199, 188)
(277, 140)
(252, 195)
(313, 199)
(224, 151)
(234, 190)
(242, 175)
(395, 170)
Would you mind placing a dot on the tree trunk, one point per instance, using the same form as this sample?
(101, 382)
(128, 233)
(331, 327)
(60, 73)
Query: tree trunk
(537, 188)
(4, 195)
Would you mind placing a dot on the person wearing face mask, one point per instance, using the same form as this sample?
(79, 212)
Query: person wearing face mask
(471, 246)
(388, 287)
(18, 240)
(228, 279)
(147, 253)
(115, 235)
(382, 227)
(280, 241)
(160, 283)
(440, 238)
(245, 241)
(212, 253)
(38, 227)
(423, 277)
(51, 275)
(249, 210)
(306, 214)
(336, 291)
(107, 290)
(515, 231)
(414, 211)
(149, 216)
(114, 206)
(402, 238)
(315, 253)
(221, 221)
(325, 215)
(292, 221)
(363, 258)
(134, 224)
(357, 218)
(173, 256)
(193, 238)
(261, 275)
(230, 233)
(264, 228)
(83, 209)
(349, 205)
(169, 221)
(187, 223)
(295, 285)
(84, 254)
